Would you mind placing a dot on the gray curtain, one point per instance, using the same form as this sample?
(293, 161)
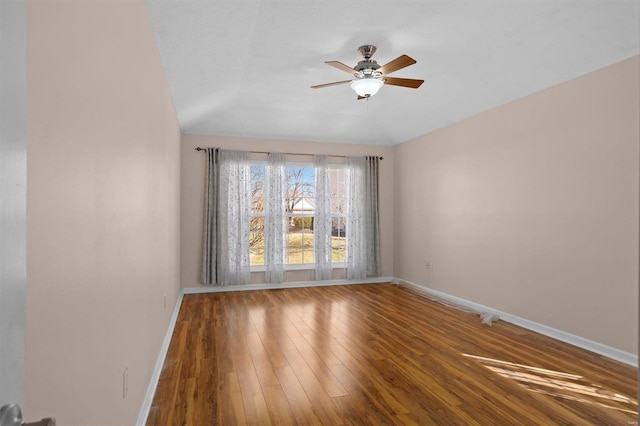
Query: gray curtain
(210, 240)
(373, 222)
(225, 243)
(362, 220)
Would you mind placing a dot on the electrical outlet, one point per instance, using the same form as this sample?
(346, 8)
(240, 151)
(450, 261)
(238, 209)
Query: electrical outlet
(429, 266)
(125, 383)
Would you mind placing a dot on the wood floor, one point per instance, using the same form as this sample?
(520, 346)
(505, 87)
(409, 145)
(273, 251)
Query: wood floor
(374, 355)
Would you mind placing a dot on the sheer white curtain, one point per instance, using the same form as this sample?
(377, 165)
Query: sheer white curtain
(355, 221)
(275, 226)
(322, 219)
(234, 201)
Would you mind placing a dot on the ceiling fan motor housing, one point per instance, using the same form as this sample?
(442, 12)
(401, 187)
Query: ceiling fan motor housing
(367, 67)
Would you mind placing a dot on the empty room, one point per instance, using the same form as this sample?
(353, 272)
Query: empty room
(336, 213)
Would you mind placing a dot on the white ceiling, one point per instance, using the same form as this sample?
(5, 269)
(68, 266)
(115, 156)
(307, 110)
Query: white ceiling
(244, 67)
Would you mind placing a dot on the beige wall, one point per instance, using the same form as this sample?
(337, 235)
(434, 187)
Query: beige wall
(532, 208)
(192, 193)
(103, 210)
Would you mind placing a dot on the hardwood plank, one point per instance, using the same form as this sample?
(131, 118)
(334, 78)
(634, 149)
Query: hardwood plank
(313, 388)
(236, 415)
(298, 400)
(205, 405)
(316, 362)
(278, 407)
(272, 346)
(360, 398)
(261, 361)
(254, 403)
(375, 354)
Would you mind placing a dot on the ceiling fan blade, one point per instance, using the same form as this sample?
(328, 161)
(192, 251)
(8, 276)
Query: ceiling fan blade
(335, 83)
(398, 63)
(341, 66)
(404, 82)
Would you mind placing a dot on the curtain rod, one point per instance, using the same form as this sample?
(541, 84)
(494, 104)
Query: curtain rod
(288, 153)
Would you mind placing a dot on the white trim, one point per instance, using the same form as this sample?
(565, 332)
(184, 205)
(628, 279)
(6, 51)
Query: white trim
(155, 376)
(219, 289)
(572, 339)
(298, 267)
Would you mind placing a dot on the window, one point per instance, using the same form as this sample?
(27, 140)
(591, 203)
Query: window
(299, 207)
(259, 215)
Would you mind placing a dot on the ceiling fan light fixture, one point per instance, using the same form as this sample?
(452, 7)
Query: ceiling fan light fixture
(366, 87)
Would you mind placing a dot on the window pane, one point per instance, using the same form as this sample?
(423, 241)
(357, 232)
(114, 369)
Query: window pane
(294, 248)
(338, 240)
(309, 182)
(257, 186)
(294, 187)
(300, 240)
(307, 244)
(337, 191)
(256, 241)
(338, 227)
(300, 189)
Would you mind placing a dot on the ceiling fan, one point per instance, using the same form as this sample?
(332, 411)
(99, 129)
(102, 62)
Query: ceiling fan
(370, 77)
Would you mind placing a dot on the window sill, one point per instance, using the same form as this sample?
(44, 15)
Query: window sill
(304, 267)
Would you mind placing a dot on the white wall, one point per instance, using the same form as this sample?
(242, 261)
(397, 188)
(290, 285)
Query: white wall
(532, 208)
(103, 210)
(13, 200)
(192, 196)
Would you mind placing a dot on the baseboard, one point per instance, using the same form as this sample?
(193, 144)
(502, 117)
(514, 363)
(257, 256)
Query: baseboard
(155, 376)
(264, 286)
(599, 348)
